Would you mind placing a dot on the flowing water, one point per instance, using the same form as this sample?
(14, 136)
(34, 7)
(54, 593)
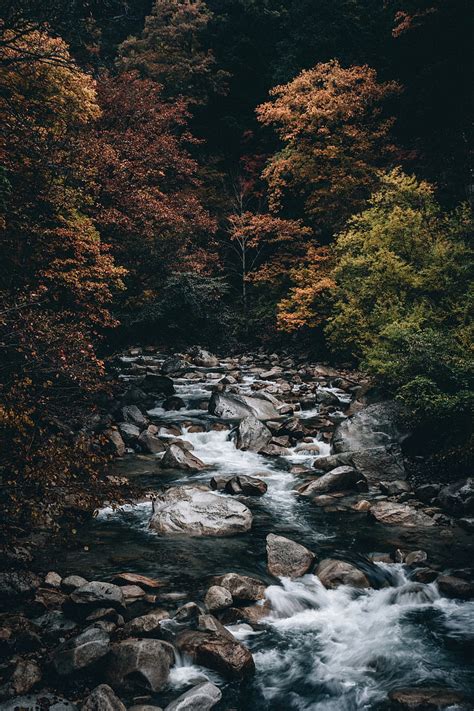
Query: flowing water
(330, 650)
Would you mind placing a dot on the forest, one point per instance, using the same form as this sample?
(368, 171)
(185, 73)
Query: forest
(241, 176)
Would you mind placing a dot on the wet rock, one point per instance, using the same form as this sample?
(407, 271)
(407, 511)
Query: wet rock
(133, 414)
(190, 612)
(168, 431)
(139, 663)
(174, 366)
(81, 651)
(200, 698)
(173, 403)
(251, 614)
(392, 488)
(333, 573)
(307, 448)
(108, 614)
(252, 435)
(228, 657)
(137, 579)
(245, 485)
(242, 587)
(453, 587)
(395, 514)
(204, 359)
(380, 463)
(116, 443)
(424, 575)
(287, 558)
(47, 599)
(362, 505)
(150, 443)
(416, 557)
(176, 457)
(458, 498)
(427, 699)
(53, 580)
(16, 583)
(54, 624)
(130, 433)
(339, 479)
(377, 425)
(132, 593)
(159, 384)
(218, 598)
(71, 582)
(467, 524)
(98, 594)
(26, 676)
(236, 407)
(40, 700)
(136, 396)
(103, 698)
(209, 623)
(427, 492)
(147, 625)
(199, 512)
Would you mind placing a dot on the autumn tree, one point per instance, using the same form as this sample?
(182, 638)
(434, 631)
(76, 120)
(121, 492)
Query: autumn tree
(335, 138)
(170, 50)
(57, 278)
(148, 200)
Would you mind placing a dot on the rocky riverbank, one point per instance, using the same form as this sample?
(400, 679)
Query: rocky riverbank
(273, 496)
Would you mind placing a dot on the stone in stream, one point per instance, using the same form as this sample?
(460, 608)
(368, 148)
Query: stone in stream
(137, 579)
(287, 558)
(458, 498)
(130, 433)
(71, 582)
(339, 479)
(236, 407)
(242, 484)
(196, 511)
(159, 384)
(218, 598)
(116, 443)
(139, 663)
(54, 624)
(200, 698)
(454, 587)
(173, 403)
(252, 435)
(147, 625)
(242, 587)
(81, 651)
(395, 514)
(228, 657)
(428, 699)
(176, 457)
(333, 572)
(150, 443)
(392, 488)
(103, 698)
(40, 700)
(174, 366)
(203, 358)
(98, 594)
(133, 414)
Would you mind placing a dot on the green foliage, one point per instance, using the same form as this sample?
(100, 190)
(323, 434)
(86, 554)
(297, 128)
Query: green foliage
(403, 299)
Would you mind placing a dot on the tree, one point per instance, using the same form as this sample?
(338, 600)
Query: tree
(170, 50)
(57, 279)
(335, 137)
(148, 204)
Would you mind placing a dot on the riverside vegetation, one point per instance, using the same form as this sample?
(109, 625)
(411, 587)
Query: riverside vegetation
(236, 354)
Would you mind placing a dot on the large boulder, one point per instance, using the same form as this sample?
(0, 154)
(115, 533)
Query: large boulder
(199, 512)
(395, 514)
(177, 457)
(428, 699)
(103, 698)
(286, 558)
(339, 479)
(141, 663)
(252, 435)
(241, 484)
(200, 698)
(333, 572)
(81, 651)
(458, 498)
(237, 407)
(159, 384)
(226, 656)
(242, 587)
(454, 587)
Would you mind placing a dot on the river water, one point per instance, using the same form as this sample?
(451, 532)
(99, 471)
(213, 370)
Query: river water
(330, 650)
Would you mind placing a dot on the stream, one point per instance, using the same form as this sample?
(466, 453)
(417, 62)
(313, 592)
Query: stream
(340, 649)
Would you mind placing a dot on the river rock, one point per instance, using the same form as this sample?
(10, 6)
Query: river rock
(287, 558)
(252, 435)
(139, 662)
(392, 488)
(103, 698)
(242, 587)
(116, 443)
(54, 624)
(81, 651)
(133, 414)
(176, 457)
(150, 443)
(199, 512)
(204, 359)
(200, 698)
(427, 492)
(173, 403)
(174, 366)
(71, 582)
(339, 479)
(40, 700)
(237, 407)
(26, 676)
(394, 514)
(458, 498)
(454, 587)
(333, 573)
(416, 557)
(209, 623)
(98, 594)
(14, 583)
(427, 699)
(218, 598)
(53, 580)
(130, 433)
(377, 425)
(235, 485)
(228, 657)
(159, 384)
